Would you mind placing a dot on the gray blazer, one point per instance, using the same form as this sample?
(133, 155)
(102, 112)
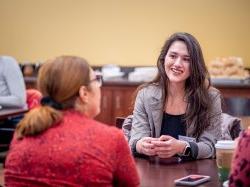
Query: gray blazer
(148, 114)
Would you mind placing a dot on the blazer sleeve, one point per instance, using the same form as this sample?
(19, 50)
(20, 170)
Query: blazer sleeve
(207, 140)
(125, 172)
(140, 125)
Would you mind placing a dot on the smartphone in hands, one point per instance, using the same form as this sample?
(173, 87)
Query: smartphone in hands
(192, 180)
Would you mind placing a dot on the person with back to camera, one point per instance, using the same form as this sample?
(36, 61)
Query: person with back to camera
(12, 87)
(12, 95)
(240, 170)
(178, 113)
(59, 143)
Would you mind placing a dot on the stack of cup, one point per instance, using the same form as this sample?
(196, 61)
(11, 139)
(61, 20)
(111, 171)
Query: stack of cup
(224, 154)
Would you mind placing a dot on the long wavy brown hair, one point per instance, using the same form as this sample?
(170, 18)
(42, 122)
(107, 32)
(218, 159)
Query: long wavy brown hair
(196, 86)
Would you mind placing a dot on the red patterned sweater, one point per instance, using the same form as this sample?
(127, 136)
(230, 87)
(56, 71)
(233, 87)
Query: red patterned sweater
(240, 174)
(77, 152)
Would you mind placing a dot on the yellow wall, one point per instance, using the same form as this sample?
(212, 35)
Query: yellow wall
(124, 32)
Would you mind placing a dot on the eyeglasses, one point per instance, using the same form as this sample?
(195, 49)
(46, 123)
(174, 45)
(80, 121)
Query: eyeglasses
(98, 79)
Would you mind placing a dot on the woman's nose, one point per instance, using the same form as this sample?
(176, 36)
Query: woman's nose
(178, 62)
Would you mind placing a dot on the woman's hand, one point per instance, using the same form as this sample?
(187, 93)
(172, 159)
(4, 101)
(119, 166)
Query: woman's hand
(167, 146)
(144, 146)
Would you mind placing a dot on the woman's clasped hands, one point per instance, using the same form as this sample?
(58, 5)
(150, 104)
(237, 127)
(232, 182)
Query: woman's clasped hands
(165, 146)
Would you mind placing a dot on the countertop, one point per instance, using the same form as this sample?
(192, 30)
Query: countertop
(216, 82)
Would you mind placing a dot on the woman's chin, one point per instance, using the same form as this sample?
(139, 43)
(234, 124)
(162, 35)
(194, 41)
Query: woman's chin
(176, 80)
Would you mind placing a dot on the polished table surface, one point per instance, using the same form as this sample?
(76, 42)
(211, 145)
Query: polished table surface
(163, 175)
(11, 112)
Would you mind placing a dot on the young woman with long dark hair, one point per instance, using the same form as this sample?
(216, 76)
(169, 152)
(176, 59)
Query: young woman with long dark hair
(178, 113)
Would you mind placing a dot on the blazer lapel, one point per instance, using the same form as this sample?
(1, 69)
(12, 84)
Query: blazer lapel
(156, 105)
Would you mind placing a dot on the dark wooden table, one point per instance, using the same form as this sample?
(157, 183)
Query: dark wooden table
(163, 175)
(11, 112)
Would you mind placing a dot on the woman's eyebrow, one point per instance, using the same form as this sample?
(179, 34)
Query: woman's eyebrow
(175, 53)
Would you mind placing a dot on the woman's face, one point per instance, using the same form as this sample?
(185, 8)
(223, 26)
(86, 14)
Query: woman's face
(93, 96)
(177, 63)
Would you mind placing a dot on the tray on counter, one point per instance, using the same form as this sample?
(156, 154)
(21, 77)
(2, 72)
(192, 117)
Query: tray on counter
(230, 81)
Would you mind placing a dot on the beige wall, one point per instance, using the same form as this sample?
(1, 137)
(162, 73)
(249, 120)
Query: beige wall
(124, 32)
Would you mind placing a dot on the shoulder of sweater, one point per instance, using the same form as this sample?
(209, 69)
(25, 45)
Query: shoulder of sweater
(99, 126)
(8, 63)
(7, 59)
